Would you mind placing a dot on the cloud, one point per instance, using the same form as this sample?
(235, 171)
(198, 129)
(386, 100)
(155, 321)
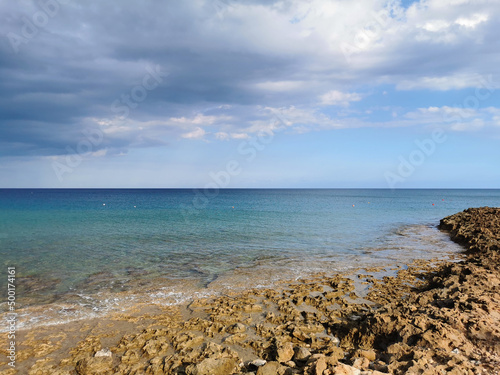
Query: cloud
(456, 118)
(446, 83)
(197, 133)
(280, 86)
(199, 119)
(335, 97)
(222, 136)
(232, 69)
(472, 22)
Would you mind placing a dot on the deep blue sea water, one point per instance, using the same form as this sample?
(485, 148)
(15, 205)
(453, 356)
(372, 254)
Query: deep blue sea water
(70, 246)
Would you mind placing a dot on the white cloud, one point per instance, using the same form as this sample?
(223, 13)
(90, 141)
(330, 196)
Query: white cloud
(280, 86)
(222, 136)
(226, 136)
(239, 136)
(473, 21)
(100, 153)
(456, 118)
(473, 125)
(339, 98)
(436, 25)
(444, 83)
(199, 119)
(197, 133)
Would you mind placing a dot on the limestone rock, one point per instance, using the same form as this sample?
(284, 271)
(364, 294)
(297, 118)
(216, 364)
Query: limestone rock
(302, 354)
(336, 355)
(342, 369)
(96, 365)
(211, 366)
(236, 328)
(284, 352)
(368, 354)
(252, 308)
(320, 366)
(361, 363)
(270, 368)
(236, 338)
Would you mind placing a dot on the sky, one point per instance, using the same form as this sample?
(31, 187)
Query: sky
(227, 94)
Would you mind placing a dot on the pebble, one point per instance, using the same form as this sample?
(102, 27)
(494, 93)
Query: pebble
(103, 353)
(258, 362)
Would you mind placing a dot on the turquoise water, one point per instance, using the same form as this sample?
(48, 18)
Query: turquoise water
(82, 242)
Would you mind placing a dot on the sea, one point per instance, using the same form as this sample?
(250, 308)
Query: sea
(81, 253)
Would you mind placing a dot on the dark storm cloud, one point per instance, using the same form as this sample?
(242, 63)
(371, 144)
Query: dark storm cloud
(88, 55)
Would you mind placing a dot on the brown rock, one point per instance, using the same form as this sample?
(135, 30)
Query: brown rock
(131, 356)
(336, 355)
(252, 308)
(284, 352)
(320, 366)
(188, 341)
(342, 369)
(302, 354)
(361, 363)
(297, 333)
(237, 338)
(211, 366)
(236, 328)
(379, 366)
(270, 368)
(154, 347)
(368, 354)
(96, 365)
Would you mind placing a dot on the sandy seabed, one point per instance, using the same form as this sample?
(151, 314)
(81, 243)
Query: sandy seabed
(427, 317)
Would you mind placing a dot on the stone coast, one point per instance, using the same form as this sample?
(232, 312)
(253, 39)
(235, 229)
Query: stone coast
(427, 318)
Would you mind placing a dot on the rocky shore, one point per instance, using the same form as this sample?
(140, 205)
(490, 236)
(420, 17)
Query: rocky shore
(428, 318)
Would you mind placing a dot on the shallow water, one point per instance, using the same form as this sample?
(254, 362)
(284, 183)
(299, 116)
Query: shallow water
(80, 253)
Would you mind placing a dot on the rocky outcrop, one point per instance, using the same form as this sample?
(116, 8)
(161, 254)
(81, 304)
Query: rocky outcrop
(478, 229)
(451, 322)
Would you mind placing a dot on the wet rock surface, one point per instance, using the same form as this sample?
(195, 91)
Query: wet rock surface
(430, 318)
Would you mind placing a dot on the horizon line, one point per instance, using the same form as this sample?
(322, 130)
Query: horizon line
(248, 188)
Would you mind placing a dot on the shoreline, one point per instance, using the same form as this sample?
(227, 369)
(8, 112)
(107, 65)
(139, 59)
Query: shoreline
(91, 301)
(417, 321)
